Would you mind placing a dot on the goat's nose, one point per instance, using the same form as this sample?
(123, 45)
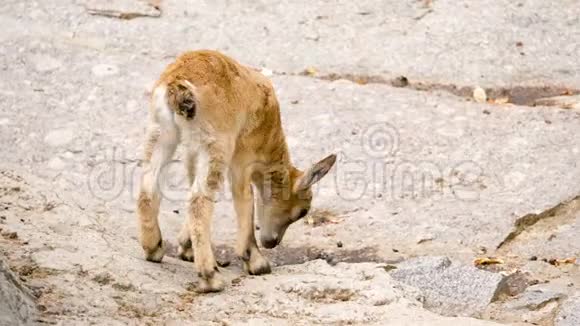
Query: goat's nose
(270, 243)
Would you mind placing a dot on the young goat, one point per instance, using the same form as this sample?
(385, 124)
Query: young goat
(228, 118)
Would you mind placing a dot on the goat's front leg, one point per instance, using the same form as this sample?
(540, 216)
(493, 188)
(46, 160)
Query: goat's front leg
(209, 179)
(185, 250)
(246, 247)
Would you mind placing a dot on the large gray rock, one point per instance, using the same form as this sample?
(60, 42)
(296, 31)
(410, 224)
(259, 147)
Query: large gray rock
(569, 314)
(16, 304)
(537, 305)
(450, 288)
(535, 298)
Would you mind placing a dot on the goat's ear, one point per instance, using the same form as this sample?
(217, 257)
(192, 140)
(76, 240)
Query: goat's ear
(315, 173)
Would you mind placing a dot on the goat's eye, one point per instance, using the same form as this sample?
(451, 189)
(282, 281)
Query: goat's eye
(303, 213)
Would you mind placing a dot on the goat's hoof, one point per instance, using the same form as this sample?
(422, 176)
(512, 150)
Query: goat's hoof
(212, 284)
(185, 253)
(155, 255)
(257, 265)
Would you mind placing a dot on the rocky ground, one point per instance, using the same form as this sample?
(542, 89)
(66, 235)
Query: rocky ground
(431, 175)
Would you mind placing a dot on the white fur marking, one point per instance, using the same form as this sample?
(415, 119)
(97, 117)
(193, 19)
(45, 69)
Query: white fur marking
(164, 118)
(163, 114)
(201, 173)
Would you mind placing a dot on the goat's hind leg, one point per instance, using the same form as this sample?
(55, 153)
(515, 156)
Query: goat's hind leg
(161, 142)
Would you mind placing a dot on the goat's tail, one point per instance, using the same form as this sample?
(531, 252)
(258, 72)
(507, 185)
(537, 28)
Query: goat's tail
(181, 98)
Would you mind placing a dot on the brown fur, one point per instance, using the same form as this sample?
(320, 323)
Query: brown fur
(228, 117)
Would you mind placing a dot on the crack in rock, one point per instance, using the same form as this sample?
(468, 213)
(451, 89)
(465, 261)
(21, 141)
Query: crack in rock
(525, 222)
(550, 95)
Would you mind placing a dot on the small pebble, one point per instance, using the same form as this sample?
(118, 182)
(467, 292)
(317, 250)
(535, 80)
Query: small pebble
(425, 238)
(534, 258)
(400, 81)
(339, 244)
(10, 235)
(479, 95)
(329, 257)
(389, 268)
(332, 261)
